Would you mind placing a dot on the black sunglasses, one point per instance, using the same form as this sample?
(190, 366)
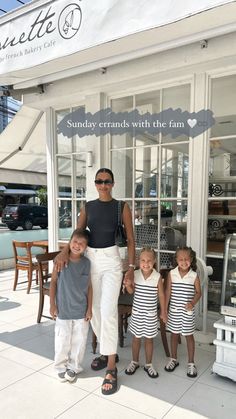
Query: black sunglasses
(105, 181)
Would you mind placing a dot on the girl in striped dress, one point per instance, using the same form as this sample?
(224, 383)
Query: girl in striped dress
(182, 293)
(147, 285)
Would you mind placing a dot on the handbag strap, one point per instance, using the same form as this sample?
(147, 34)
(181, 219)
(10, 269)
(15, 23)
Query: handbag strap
(120, 211)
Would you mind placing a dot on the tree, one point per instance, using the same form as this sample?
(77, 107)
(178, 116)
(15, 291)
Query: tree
(42, 195)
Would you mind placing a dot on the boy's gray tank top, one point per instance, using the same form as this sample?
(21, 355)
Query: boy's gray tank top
(72, 290)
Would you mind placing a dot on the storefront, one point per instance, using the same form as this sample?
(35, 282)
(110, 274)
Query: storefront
(182, 190)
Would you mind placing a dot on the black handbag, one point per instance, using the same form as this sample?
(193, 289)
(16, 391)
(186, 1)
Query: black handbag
(120, 234)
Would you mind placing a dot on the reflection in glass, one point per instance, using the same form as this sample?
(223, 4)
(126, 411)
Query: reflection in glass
(64, 144)
(146, 172)
(215, 283)
(80, 175)
(148, 102)
(174, 223)
(80, 143)
(65, 218)
(222, 167)
(166, 260)
(145, 223)
(223, 106)
(221, 222)
(176, 97)
(64, 176)
(124, 104)
(122, 167)
(174, 171)
(79, 205)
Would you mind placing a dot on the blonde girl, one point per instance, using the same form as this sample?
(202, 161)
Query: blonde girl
(182, 294)
(146, 287)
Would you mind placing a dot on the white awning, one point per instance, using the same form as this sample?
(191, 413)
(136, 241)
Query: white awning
(45, 38)
(23, 142)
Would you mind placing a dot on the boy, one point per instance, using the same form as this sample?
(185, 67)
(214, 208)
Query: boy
(71, 305)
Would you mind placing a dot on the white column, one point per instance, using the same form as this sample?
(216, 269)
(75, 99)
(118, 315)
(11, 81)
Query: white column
(93, 103)
(198, 177)
(51, 180)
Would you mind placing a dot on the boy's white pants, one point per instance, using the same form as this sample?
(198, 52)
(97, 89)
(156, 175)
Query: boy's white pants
(106, 277)
(70, 343)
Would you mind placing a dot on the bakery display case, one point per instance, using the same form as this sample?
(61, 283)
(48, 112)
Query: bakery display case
(225, 341)
(228, 294)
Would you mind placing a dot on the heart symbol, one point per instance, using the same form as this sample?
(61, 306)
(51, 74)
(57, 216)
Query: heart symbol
(192, 122)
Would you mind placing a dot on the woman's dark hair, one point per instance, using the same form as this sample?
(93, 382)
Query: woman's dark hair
(192, 256)
(105, 170)
(80, 233)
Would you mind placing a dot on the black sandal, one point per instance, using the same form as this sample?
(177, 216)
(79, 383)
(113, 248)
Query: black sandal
(101, 362)
(112, 381)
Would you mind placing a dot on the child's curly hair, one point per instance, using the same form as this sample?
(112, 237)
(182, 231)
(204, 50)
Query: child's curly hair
(192, 255)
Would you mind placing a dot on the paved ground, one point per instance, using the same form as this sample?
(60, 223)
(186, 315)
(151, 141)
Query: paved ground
(29, 388)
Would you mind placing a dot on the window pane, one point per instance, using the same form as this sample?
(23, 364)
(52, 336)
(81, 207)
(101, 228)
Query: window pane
(215, 284)
(174, 223)
(166, 260)
(221, 221)
(176, 97)
(222, 168)
(80, 175)
(64, 144)
(146, 172)
(147, 102)
(122, 167)
(79, 205)
(174, 171)
(223, 100)
(80, 144)
(64, 176)
(124, 104)
(65, 218)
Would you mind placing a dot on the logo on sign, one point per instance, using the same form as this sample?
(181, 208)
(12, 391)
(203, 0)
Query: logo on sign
(69, 21)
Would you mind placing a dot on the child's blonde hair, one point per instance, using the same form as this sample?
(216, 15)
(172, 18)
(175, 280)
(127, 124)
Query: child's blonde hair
(192, 255)
(150, 250)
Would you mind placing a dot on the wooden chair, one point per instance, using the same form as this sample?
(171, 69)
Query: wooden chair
(125, 303)
(164, 274)
(24, 261)
(44, 276)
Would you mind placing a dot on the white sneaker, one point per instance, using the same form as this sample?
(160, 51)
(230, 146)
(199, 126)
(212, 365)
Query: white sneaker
(61, 377)
(70, 375)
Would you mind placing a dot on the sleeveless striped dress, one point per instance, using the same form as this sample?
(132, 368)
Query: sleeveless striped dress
(143, 321)
(182, 292)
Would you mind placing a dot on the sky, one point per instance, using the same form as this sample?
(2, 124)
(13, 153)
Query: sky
(7, 5)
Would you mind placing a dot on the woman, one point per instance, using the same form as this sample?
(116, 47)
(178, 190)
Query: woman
(101, 217)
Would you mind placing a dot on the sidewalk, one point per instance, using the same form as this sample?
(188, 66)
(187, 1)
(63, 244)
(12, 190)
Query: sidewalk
(29, 388)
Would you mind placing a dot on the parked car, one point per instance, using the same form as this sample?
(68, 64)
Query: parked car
(25, 215)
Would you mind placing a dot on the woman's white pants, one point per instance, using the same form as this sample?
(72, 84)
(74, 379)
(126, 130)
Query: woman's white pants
(70, 343)
(106, 277)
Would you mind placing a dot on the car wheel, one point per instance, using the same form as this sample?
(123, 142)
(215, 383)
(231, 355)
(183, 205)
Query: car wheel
(12, 227)
(28, 225)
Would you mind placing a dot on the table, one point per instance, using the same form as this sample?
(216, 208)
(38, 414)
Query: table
(41, 243)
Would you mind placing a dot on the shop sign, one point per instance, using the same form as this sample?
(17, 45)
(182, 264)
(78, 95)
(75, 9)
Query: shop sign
(61, 27)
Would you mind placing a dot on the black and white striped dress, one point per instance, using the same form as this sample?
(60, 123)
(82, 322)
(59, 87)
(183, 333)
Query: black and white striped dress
(144, 312)
(182, 292)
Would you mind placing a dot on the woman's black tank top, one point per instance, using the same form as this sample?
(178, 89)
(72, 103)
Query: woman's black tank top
(102, 220)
